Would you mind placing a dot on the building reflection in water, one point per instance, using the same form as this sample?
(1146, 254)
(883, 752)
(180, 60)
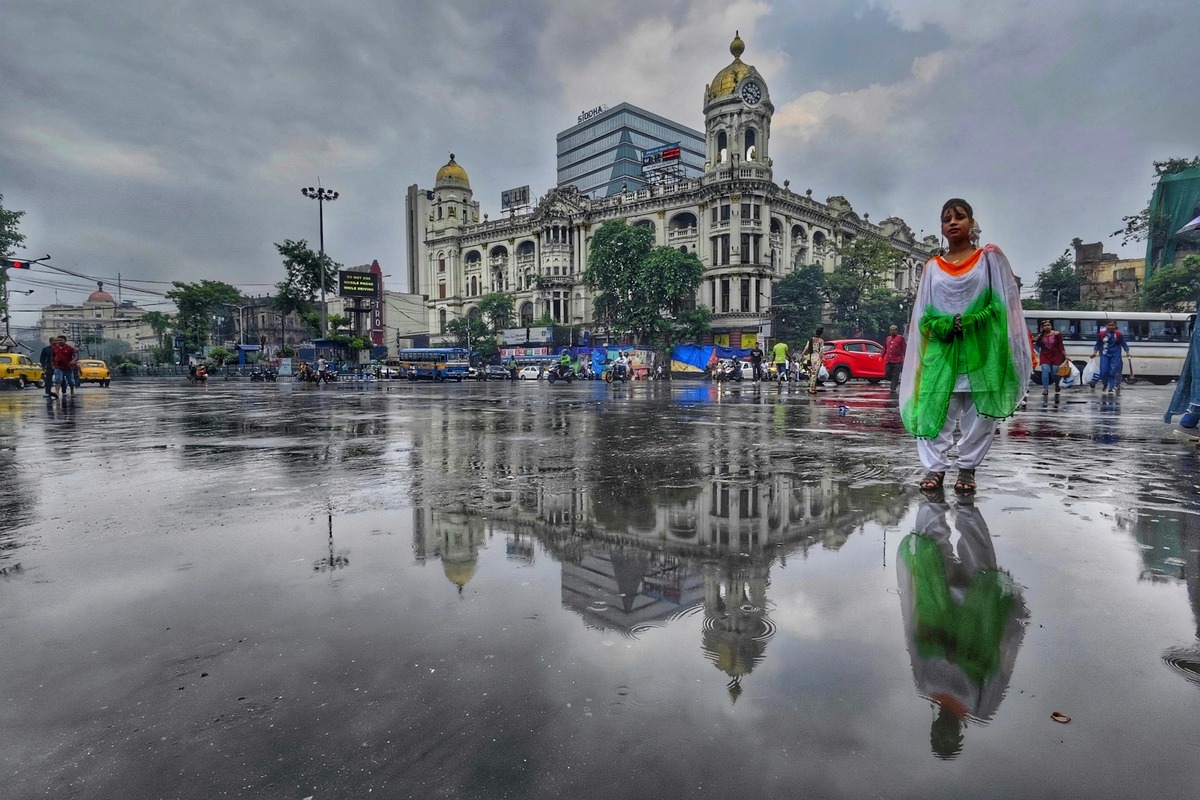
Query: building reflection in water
(638, 553)
(964, 620)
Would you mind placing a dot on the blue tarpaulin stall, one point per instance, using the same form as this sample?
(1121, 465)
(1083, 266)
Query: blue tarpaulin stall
(694, 358)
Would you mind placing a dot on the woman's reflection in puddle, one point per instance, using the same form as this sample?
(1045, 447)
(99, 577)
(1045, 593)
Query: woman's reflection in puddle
(963, 616)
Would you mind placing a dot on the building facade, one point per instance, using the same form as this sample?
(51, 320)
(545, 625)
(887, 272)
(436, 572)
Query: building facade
(601, 155)
(1107, 281)
(747, 230)
(98, 320)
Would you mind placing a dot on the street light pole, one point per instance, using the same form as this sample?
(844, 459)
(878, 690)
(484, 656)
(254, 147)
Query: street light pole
(321, 195)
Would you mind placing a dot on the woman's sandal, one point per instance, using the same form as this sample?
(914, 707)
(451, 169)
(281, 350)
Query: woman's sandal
(966, 481)
(932, 481)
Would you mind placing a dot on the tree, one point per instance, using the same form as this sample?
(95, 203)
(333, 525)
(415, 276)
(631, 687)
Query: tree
(1140, 226)
(473, 334)
(865, 264)
(220, 355)
(10, 238)
(637, 284)
(160, 323)
(299, 290)
(797, 301)
(337, 321)
(1174, 288)
(1058, 285)
(689, 325)
(196, 303)
(498, 308)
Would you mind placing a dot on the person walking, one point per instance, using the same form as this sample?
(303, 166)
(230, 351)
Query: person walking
(1109, 344)
(1052, 353)
(47, 359)
(63, 358)
(811, 356)
(969, 363)
(513, 366)
(779, 355)
(756, 358)
(893, 356)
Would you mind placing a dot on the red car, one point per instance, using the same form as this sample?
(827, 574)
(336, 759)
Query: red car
(854, 358)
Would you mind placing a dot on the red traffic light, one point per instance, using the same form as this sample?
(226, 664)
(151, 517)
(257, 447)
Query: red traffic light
(12, 263)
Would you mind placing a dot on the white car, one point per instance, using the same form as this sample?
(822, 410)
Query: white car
(529, 373)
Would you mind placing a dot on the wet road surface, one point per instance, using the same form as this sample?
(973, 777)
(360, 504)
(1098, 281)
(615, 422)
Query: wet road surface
(663, 590)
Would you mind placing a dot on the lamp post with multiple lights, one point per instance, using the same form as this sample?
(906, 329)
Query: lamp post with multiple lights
(322, 196)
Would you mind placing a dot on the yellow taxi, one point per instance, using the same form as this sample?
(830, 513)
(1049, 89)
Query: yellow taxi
(93, 370)
(19, 370)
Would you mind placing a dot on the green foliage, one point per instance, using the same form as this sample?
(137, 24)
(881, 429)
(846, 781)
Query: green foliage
(1058, 285)
(10, 238)
(160, 323)
(284, 351)
(312, 320)
(220, 355)
(1174, 288)
(544, 321)
(856, 289)
(162, 355)
(797, 300)
(1141, 226)
(197, 302)
(638, 284)
(304, 269)
(689, 325)
(472, 333)
(498, 308)
(337, 321)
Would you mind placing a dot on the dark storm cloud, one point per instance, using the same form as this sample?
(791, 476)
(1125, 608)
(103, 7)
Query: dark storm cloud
(169, 140)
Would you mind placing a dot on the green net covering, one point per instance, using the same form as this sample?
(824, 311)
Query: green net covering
(1175, 203)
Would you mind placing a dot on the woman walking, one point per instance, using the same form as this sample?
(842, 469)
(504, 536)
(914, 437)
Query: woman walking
(1109, 344)
(967, 365)
(1052, 353)
(812, 356)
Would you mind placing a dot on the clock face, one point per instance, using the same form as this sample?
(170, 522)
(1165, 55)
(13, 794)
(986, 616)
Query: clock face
(751, 93)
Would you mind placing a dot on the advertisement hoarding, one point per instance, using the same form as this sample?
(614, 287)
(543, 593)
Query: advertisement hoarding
(659, 157)
(358, 284)
(514, 198)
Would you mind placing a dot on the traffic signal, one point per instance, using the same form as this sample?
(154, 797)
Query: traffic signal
(14, 263)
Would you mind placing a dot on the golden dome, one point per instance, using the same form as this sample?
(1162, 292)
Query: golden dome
(725, 82)
(459, 572)
(452, 173)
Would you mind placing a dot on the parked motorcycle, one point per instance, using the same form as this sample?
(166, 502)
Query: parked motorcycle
(263, 375)
(560, 372)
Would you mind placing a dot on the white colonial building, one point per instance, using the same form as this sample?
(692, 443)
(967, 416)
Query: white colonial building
(746, 229)
(97, 320)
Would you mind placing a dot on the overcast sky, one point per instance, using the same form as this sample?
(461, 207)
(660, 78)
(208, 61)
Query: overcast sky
(168, 140)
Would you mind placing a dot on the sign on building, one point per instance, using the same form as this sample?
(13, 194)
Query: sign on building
(357, 284)
(514, 198)
(659, 157)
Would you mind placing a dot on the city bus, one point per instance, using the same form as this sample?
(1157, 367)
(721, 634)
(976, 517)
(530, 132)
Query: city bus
(434, 363)
(1158, 340)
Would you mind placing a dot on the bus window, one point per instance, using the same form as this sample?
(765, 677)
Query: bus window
(1072, 329)
(1134, 330)
(1162, 331)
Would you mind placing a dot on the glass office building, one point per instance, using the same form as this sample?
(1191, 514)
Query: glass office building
(602, 154)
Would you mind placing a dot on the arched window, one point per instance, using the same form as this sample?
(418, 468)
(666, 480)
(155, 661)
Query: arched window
(525, 248)
(682, 221)
(526, 314)
(499, 251)
(645, 223)
(473, 258)
(751, 144)
(441, 320)
(722, 147)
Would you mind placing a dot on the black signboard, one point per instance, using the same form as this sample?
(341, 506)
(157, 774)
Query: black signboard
(357, 284)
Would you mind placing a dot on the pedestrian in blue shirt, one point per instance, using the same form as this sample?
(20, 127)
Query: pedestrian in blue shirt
(1109, 344)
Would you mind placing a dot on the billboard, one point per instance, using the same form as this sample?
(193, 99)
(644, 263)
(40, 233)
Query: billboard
(659, 157)
(357, 284)
(514, 198)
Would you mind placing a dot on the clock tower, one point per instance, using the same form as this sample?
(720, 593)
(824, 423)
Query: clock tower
(737, 117)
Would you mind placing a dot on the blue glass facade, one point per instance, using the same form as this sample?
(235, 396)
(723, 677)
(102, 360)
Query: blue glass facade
(604, 154)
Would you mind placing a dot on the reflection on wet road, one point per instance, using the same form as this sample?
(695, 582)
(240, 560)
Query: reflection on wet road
(668, 589)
